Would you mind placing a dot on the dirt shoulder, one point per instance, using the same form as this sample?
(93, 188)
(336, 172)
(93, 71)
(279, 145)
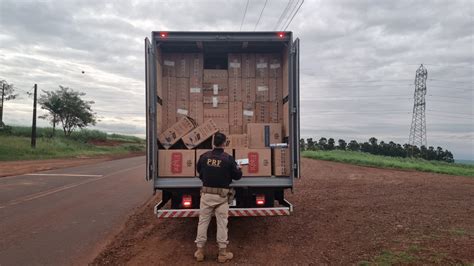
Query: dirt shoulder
(10, 168)
(343, 214)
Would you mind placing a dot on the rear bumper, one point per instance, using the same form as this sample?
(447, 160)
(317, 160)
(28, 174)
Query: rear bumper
(235, 212)
(194, 182)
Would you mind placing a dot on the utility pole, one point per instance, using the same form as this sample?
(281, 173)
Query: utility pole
(418, 123)
(33, 127)
(1, 107)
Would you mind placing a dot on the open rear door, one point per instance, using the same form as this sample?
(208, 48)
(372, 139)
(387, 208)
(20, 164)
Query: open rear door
(295, 106)
(150, 81)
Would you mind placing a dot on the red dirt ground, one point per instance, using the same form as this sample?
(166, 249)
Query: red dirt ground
(10, 168)
(343, 214)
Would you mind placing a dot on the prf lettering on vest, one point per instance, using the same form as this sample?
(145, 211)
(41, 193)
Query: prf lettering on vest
(214, 162)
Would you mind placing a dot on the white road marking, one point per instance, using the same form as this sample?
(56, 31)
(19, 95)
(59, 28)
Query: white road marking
(76, 175)
(59, 189)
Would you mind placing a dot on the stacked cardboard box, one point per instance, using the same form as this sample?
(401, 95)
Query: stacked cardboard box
(244, 101)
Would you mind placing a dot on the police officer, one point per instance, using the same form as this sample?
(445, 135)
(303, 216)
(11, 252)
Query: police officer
(216, 169)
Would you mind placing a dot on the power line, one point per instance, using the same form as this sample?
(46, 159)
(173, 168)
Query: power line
(289, 14)
(445, 80)
(283, 14)
(294, 15)
(258, 21)
(245, 13)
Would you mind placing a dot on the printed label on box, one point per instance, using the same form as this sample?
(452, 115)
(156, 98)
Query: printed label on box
(195, 90)
(234, 65)
(168, 63)
(182, 111)
(248, 113)
(273, 66)
(215, 88)
(262, 88)
(253, 162)
(176, 163)
(262, 65)
(214, 102)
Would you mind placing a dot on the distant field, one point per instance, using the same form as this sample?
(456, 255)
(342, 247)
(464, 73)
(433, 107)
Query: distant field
(15, 145)
(366, 159)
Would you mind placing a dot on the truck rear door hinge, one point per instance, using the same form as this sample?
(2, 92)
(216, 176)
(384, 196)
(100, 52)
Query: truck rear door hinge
(293, 110)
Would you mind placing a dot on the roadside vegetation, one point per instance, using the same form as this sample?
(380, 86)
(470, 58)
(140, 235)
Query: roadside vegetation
(366, 159)
(15, 144)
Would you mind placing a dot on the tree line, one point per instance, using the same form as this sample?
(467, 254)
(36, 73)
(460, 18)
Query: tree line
(379, 148)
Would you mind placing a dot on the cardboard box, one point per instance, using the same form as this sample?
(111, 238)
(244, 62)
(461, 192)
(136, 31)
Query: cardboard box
(262, 93)
(275, 89)
(179, 129)
(281, 162)
(183, 62)
(236, 129)
(235, 89)
(200, 134)
(220, 87)
(195, 90)
(168, 65)
(261, 65)
(248, 90)
(182, 89)
(212, 74)
(262, 135)
(223, 128)
(248, 115)
(248, 65)
(262, 112)
(286, 120)
(176, 163)
(160, 121)
(196, 112)
(169, 110)
(234, 65)
(276, 112)
(182, 109)
(216, 102)
(217, 115)
(237, 141)
(259, 161)
(169, 89)
(196, 65)
(235, 113)
(274, 67)
(285, 73)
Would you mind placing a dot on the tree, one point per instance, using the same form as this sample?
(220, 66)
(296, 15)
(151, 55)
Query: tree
(342, 144)
(322, 143)
(7, 93)
(302, 145)
(66, 106)
(310, 143)
(353, 145)
(330, 145)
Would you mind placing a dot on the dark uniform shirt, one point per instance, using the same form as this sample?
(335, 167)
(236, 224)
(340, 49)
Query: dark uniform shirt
(217, 169)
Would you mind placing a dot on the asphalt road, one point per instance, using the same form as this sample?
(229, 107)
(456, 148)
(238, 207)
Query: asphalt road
(64, 217)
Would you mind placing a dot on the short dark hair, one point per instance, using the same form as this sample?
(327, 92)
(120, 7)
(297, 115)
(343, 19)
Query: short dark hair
(219, 139)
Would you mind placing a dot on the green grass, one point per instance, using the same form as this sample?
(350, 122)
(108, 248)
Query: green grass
(390, 258)
(15, 144)
(366, 159)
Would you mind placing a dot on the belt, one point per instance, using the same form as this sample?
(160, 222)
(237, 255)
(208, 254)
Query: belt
(216, 190)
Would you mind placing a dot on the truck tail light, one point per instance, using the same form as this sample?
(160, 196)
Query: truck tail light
(187, 201)
(163, 34)
(260, 200)
(281, 35)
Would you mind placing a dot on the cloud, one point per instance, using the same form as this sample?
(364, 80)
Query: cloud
(358, 59)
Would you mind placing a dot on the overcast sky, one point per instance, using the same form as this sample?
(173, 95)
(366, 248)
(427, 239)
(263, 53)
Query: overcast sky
(358, 60)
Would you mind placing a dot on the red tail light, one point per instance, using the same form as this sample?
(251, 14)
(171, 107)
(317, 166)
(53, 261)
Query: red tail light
(187, 201)
(260, 199)
(281, 35)
(163, 34)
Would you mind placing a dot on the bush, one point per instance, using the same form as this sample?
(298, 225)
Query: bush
(6, 130)
(85, 135)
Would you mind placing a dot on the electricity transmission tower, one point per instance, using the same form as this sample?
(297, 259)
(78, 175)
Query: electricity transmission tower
(418, 122)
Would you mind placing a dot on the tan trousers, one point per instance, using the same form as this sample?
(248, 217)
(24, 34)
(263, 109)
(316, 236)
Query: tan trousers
(219, 206)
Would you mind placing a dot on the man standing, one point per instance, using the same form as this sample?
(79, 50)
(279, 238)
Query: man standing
(216, 169)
